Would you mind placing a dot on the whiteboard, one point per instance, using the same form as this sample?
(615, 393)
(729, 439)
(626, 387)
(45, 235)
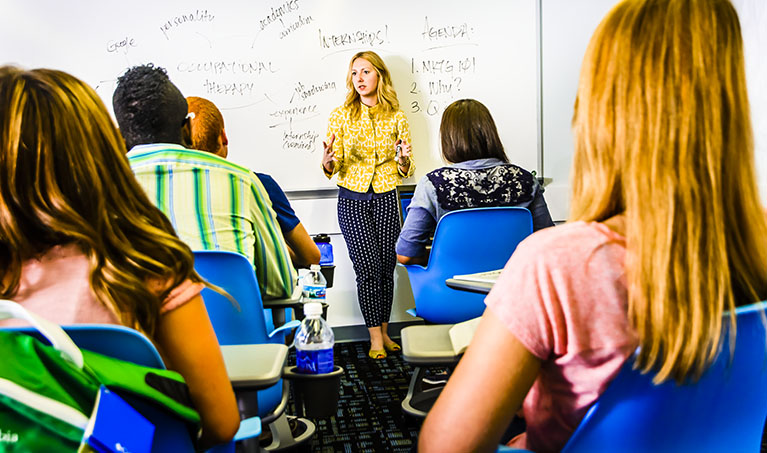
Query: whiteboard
(276, 69)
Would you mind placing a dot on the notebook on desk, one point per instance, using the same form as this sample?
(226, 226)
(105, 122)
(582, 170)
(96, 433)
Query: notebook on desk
(480, 277)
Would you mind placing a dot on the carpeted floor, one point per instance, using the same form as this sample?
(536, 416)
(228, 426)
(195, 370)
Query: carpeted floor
(369, 416)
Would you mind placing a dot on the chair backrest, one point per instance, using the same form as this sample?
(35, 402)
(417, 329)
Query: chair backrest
(405, 194)
(465, 242)
(127, 344)
(112, 340)
(723, 411)
(243, 323)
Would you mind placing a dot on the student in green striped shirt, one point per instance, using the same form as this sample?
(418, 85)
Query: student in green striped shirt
(212, 203)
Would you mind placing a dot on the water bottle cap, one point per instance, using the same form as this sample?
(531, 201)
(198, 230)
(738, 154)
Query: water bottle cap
(321, 238)
(312, 308)
(315, 267)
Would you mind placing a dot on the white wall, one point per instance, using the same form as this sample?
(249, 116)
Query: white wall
(753, 21)
(566, 29)
(319, 216)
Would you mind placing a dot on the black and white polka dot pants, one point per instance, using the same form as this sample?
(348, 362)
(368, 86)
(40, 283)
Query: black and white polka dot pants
(370, 229)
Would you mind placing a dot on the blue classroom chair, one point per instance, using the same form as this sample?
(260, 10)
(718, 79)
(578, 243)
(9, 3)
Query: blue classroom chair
(244, 323)
(465, 242)
(723, 411)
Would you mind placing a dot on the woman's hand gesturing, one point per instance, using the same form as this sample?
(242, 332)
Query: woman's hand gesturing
(328, 156)
(404, 151)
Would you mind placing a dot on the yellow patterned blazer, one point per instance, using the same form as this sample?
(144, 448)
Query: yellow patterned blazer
(365, 150)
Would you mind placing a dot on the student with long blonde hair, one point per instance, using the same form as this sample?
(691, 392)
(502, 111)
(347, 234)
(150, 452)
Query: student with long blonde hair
(368, 147)
(80, 242)
(667, 234)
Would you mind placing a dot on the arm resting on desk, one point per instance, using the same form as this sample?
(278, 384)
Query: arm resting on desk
(408, 260)
(303, 251)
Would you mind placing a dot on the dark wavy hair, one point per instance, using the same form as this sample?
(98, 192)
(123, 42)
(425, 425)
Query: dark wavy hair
(148, 107)
(65, 179)
(468, 132)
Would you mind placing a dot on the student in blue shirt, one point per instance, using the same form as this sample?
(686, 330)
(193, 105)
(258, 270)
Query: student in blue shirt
(479, 175)
(208, 134)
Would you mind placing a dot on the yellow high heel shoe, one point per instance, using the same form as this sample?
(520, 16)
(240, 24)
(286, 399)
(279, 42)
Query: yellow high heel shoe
(392, 347)
(377, 354)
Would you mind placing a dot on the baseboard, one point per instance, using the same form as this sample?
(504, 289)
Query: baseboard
(346, 334)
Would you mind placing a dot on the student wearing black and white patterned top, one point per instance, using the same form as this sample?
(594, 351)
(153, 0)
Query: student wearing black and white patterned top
(479, 175)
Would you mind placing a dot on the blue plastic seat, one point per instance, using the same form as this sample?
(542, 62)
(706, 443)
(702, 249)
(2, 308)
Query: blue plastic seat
(123, 343)
(244, 323)
(723, 411)
(465, 242)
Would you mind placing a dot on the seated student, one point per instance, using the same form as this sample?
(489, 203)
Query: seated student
(212, 203)
(208, 134)
(666, 233)
(480, 175)
(80, 242)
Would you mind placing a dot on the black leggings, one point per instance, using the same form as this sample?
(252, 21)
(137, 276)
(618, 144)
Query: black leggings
(371, 229)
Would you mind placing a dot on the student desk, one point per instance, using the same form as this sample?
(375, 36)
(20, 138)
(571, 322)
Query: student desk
(479, 282)
(278, 306)
(254, 365)
(469, 285)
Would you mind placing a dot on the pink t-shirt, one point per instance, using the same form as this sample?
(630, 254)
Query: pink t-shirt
(563, 296)
(56, 286)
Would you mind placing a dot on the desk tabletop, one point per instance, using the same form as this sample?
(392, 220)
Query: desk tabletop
(257, 365)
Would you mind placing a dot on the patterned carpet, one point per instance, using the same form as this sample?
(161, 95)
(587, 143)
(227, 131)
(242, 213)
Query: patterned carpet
(369, 416)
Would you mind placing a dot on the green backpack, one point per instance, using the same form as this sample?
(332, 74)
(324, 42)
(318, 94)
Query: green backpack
(47, 393)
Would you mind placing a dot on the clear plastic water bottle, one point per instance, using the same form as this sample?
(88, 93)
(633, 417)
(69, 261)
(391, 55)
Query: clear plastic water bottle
(314, 342)
(314, 285)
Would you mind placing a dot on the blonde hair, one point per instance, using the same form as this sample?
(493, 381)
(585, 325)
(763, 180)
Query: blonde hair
(64, 178)
(663, 136)
(207, 124)
(387, 97)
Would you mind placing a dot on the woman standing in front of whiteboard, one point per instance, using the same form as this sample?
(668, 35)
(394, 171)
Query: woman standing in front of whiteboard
(368, 146)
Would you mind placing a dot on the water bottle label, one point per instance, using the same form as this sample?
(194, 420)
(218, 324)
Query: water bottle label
(314, 362)
(314, 292)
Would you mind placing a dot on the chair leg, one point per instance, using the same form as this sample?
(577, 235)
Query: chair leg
(282, 436)
(418, 401)
(415, 388)
(278, 422)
